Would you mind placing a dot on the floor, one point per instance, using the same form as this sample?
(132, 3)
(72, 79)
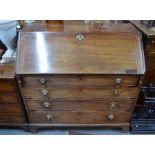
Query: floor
(63, 132)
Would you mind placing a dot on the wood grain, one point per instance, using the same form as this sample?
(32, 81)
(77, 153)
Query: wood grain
(8, 98)
(81, 105)
(72, 117)
(12, 112)
(7, 86)
(79, 64)
(11, 118)
(83, 93)
(10, 108)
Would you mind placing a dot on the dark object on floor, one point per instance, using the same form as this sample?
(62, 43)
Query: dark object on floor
(3, 49)
(143, 120)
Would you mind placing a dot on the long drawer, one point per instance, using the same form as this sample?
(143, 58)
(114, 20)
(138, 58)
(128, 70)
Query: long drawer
(71, 93)
(80, 105)
(74, 117)
(11, 118)
(79, 80)
(8, 98)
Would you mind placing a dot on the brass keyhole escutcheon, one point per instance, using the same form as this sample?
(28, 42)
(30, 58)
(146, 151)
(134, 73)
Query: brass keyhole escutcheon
(80, 36)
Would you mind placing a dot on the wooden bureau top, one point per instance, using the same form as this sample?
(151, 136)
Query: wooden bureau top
(81, 49)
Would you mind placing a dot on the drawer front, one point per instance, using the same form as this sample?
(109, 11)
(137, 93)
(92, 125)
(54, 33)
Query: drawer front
(80, 105)
(79, 80)
(7, 86)
(71, 93)
(12, 108)
(8, 99)
(150, 46)
(73, 117)
(11, 118)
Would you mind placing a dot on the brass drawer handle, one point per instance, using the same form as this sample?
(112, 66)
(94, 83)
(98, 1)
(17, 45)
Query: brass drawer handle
(80, 36)
(43, 81)
(118, 81)
(44, 92)
(46, 104)
(113, 106)
(116, 93)
(49, 117)
(111, 117)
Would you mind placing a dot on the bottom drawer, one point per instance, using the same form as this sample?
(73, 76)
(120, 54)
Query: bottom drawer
(11, 118)
(74, 117)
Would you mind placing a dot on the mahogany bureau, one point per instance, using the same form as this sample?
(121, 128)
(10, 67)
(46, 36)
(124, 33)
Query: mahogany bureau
(80, 75)
(12, 112)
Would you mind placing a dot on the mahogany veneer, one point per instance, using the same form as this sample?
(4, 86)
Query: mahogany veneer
(80, 74)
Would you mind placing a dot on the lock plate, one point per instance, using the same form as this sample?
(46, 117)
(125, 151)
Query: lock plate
(80, 36)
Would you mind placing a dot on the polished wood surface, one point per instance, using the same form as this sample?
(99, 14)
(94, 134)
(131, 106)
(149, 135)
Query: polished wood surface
(7, 70)
(7, 87)
(107, 51)
(11, 118)
(146, 31)
(74, 81)
(8, 98)
(148, 38)
(77, 26)
(11, 107)
(91, 27)
(149, 50)
(80, 74)
(81, 93)
(74, 117)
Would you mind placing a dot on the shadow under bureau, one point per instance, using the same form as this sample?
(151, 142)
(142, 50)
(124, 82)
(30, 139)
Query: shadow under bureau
(80, 75)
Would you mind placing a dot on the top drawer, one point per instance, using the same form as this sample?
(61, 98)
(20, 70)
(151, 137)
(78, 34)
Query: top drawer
(79, 80)
(7, 86)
